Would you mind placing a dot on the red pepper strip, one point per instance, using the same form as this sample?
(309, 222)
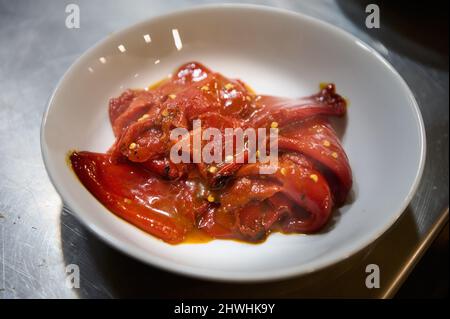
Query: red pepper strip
(316, 139)
(165, 168)
(139, 106)
(284, 111)
(132, 104)
(245, 198)
(136, 195)
(191, 72)
(247, 189)
(120, 104)
(301, 187)
(255, 220)
(227, 167)
(141, 143)
(248, 199)
(217, 223)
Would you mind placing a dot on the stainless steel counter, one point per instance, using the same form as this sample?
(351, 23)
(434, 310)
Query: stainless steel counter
(38, 238)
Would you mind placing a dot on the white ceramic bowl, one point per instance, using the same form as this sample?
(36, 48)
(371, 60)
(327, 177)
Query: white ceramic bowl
(277, 52)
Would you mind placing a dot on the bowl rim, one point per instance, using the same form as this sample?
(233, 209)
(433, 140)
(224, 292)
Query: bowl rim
(221, 275)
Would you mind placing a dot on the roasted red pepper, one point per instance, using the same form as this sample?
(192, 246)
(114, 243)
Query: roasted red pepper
(137, 180)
